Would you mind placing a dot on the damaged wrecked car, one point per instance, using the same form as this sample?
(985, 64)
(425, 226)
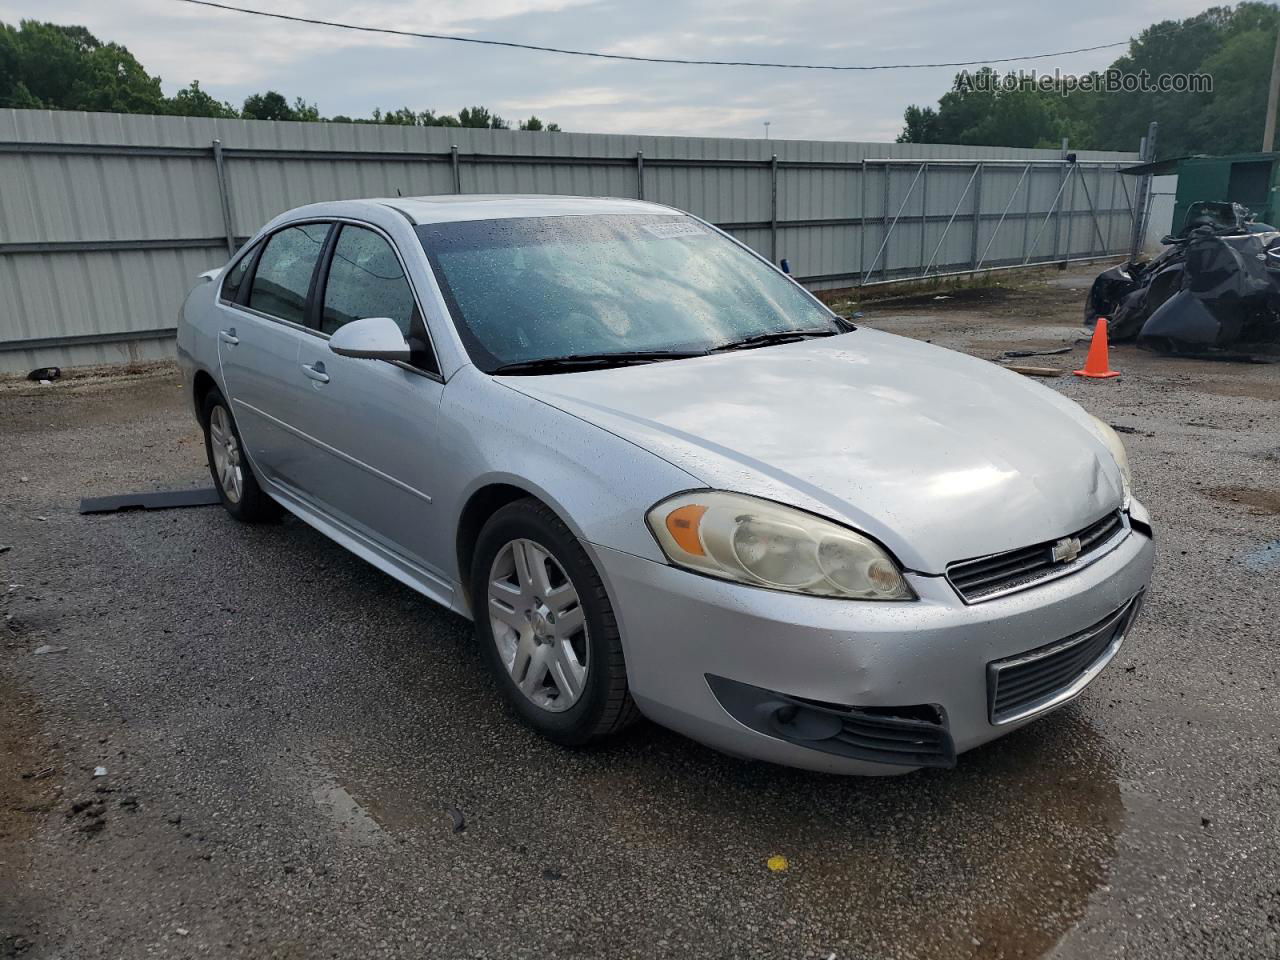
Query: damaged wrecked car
(663, 479)
(1213, 291)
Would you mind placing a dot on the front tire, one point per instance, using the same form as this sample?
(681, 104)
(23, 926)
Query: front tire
(232, 475)
(547, 629)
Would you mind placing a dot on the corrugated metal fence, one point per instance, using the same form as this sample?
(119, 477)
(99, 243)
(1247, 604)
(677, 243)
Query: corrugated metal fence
(106, 219)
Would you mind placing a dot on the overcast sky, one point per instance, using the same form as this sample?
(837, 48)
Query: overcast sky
(345, 72)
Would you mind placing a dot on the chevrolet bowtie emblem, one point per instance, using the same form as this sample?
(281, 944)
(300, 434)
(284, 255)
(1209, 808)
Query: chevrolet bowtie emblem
(1066, 550)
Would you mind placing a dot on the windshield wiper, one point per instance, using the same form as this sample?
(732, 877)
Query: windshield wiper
(777, 336)
(592, 361)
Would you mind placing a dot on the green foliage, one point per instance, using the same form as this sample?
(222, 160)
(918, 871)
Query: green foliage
(192, 101)
(54, 67)
(1232, 44)
(49, 66)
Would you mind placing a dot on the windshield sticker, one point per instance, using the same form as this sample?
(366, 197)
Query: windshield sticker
(676, 228)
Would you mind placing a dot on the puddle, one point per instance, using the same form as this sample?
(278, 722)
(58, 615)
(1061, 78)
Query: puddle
(1264, 559)
(997, 858)
(1267, 501)
(347, 815)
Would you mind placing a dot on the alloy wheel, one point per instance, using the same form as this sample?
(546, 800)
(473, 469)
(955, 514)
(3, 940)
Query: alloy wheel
(226, 454)
(538, 625)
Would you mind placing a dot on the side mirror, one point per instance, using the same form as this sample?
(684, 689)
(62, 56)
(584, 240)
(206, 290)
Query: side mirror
(373, 338)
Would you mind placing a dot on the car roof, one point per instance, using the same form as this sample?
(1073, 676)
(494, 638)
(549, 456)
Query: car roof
(448, 208)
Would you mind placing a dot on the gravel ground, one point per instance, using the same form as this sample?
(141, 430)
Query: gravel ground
(289, 736)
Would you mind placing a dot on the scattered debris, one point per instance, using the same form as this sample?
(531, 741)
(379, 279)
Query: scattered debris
(5, 548)
(1019, 354)
(46, 648)
(156, 500)
(1213, 292)
(99, 771)
(44, 374)
(1121, 428)
(459, 819)
(182, 931)
(1035, 371)
(549, 874)
(777, 863)
(942, 297)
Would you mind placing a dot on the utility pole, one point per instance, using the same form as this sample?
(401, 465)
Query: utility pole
(1273, 101)
(767, 122)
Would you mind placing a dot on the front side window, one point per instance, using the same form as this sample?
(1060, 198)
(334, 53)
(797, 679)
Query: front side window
(530, 288)
(234, 278)
(366, 280)
(284, 271)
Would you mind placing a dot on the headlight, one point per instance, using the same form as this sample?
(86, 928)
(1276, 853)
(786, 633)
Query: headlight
(764, 544)
(1112, 440)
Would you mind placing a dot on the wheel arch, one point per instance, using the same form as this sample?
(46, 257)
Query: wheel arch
(201, 383)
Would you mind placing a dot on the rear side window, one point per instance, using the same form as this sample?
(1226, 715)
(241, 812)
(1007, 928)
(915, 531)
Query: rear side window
(284, 271)
(234, 279)
(366, 280)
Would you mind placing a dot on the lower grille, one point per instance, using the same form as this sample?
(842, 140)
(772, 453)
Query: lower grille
(1022, 685)
(986, 577)
(912, 736)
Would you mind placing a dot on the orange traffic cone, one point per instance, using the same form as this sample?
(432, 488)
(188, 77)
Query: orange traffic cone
(1098, 364)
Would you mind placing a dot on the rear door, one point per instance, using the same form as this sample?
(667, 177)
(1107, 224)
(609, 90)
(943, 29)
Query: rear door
(263, 311)
(375, 465)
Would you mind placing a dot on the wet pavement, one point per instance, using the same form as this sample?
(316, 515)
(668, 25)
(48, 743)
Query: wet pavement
(291, 739)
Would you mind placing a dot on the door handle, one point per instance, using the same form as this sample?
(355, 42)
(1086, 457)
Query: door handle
(228, 336)
(316, 371)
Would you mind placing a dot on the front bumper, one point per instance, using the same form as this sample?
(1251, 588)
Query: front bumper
(679, 629)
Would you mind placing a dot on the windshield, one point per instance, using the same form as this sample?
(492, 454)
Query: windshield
(532, 288)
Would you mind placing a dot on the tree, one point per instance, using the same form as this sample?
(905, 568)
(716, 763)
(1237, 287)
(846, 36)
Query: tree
(481, 118)
(49, 66)
(192, 101)
(1233, 45)
(267, 106)
(68, 68)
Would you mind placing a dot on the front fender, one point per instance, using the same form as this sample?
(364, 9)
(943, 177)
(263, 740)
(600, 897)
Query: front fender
(599, 484)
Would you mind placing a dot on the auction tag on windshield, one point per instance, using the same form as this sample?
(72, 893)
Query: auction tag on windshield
(677, 227)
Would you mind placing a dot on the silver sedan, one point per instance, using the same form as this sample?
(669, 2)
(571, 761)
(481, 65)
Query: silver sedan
(664, 479)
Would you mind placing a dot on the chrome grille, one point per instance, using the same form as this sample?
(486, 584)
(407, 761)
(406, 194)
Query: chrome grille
(1000, 573)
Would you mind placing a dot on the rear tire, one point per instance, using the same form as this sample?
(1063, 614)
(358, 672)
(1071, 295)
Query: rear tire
(232, 475)
(547, 629)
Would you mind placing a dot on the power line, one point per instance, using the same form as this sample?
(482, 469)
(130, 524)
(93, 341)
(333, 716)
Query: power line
(621, 56)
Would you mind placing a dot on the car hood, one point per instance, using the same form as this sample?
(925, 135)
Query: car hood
(938, 455)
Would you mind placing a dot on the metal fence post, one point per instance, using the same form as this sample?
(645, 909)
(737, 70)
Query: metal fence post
(224, 197)
(1111, 210)
(884, 245)
(862, 218)
(1026, 220)
(639, 174)
(1064, 171)
(1143, 192)
(773, 209)
(457, 169)
(977, 215)
(924, 208)
(1074, 173)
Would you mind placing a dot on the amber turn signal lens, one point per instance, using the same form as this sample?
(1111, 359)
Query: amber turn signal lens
(682, 524)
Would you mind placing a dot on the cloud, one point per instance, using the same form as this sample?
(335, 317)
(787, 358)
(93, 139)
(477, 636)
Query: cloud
(348, 72)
